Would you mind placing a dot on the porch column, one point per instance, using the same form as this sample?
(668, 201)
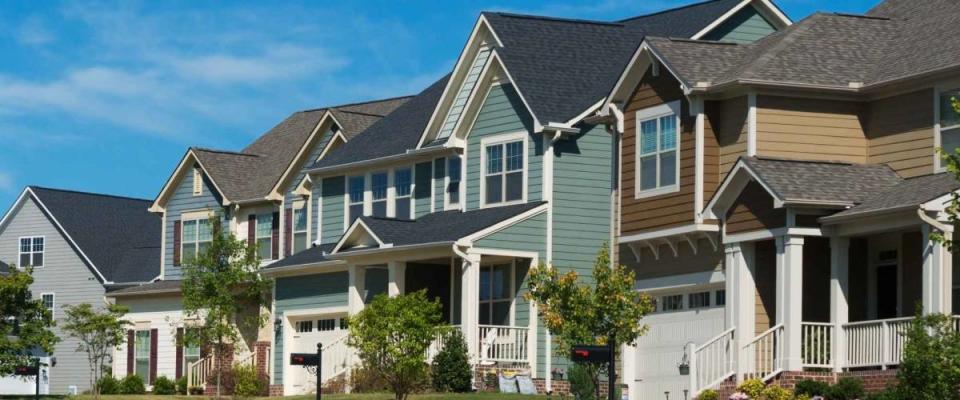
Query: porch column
(741, 292)
(396, 278)
(469, 307)
(839, 303)
(937, 275)
(356, 278)
(790, 299)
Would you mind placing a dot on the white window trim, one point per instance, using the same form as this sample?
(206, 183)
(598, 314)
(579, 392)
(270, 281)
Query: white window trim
(257, 237)
(937, 138)
(193, 216)
(347, 202)
(53, 304)
(20, 250)
(512, 317)
(447, 205)
(662, 110)
(501, 139)
(149, 341)
(305, 206)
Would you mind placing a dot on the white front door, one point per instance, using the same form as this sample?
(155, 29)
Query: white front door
(308, 331)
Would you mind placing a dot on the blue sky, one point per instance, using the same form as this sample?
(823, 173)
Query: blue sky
(106, 97)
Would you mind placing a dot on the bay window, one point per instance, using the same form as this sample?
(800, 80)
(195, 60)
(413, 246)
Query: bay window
(503, 172)
(657, 149)
(403, 186)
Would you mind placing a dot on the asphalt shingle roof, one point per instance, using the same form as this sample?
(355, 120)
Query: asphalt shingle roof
(313, 255)
(118, 234)
(158, 286)
(813, 181)
(910, 192)
(682, 21)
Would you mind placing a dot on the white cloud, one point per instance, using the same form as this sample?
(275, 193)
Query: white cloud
(282, 62)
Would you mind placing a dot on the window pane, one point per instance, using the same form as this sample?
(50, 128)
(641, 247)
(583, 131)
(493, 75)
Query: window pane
(453, 190)
(501, 313)
(25, 260)
(299, 219)
(265, 249)
(25, 245)
(204, 231)
(948, 114)
(264, 225)
(514, 156)
(378, 185)
(142, 344)
(189, 251)
(356, 189)
(485, 314)
(494, 159)
(299, 242)
(514, 186)
(698, 300)
(648, 172)
(721, 298)
(190, 231)
(668, 133)
(501, 282)
(668, 169)
(403, 178)
(494, 187)
(648, 136)
(37, 259)
(38, 244)
(380, 209)
(454, 170)
(950, 140)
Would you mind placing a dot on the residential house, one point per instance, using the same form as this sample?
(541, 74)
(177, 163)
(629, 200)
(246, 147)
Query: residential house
(777, 198)
(80, 246)
(243, 189)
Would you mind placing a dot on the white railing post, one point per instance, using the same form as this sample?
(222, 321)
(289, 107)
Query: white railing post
(884, 345)
(692, 360)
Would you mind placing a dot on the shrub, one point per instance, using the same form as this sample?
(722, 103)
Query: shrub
(451, 371)
(364, 380)
(164, 386)
(182, 385)
(247, 382)
(811, 388)
(752, 387)
(581, 382)
(108, 385)
(931, 360)
(708, 394)
(776, 393)
(889, 393)
(132, 384)
(846, 389)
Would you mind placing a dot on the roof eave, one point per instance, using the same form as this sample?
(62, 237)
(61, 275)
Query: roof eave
(381, 160)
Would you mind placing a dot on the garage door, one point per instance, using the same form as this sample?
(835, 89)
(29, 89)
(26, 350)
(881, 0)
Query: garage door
(308, 331)
(659, 352)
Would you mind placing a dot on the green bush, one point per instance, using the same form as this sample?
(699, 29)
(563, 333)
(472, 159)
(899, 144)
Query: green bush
(182, 385)
(811, 388)
(776, 393)
(752, 387)
(108, 385)
(132, 384)
(363, 380)
(581, 382)
(451, 371)
(708, 394)
(846, 389)
(247, 382)
(886, 394)
(930, 368)
(164, 386)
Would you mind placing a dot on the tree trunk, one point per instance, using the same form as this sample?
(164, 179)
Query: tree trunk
(217, 358)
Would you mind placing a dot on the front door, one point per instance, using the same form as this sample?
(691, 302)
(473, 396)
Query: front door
(886, 291)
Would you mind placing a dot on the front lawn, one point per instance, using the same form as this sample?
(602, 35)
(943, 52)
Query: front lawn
(378, 396)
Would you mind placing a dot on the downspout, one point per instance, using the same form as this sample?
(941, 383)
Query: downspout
(922, 213)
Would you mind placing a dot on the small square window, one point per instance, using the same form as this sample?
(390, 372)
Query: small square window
(672, 303)
(304, 326)
(698, 300)
(721, 298)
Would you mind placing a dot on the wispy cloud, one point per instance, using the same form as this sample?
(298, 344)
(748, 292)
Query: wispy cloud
(281, 62)
(33, 31)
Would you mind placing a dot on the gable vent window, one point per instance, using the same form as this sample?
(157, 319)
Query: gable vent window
(403, 183)
(355, 191)
(503, 175)
(466, 88)
(657, 150)
(31, 251)
(197, 182)
(949, 121)
(378, 188)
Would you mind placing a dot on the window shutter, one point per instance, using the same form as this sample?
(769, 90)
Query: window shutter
(288, 235)
(153, 355)
(176, 243)
(130, 345)
(179, 369)
(252, 230)
(275, 236)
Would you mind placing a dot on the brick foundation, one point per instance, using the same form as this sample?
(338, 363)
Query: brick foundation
(873, 380)
(276, 390)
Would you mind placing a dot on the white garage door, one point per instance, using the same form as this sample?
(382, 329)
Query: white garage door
(659, 352)
(308, 331)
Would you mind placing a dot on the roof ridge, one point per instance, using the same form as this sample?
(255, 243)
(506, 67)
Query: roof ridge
(864, 16)
(361, 113)
(115, 196)
(230, 152)
(556, 19)
(786, 37)
(700, 3)
(359, 103)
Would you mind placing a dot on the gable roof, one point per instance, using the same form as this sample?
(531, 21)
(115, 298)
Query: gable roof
(909, 193)
(116, 235)
(683, 21)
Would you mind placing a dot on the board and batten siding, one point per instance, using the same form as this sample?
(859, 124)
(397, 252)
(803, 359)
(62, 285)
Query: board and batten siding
(305, 292)
(180, 202)
(746, 26)
(807, 129)
(163, 313)
(332, 190)
(899, 132)
(502, 112)
(64, 274)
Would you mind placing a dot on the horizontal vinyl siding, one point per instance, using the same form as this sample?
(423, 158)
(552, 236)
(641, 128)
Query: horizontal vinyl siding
(164, 314)
(66, 275)
(439, 175)
(900, 132)
(754, 210)
(182, 201)
(289, 197)
(332, 190)
(728, 119)
(821, 130)
(746, 26)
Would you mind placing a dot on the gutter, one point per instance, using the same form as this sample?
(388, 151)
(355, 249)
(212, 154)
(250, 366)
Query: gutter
(300, 267)
(376, 161)
(381, 250)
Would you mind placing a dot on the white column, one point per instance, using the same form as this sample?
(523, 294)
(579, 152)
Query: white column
(741, 291)
(469, 306)
(396, 278)
(790, 298)
(937, 276)
(357, 279)
(839, 302)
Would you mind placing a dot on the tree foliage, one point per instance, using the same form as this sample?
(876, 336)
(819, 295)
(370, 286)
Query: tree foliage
(451, 371)
(930, 368)
(223, 289)
(98, 332)
(24, 322)
(392, 335)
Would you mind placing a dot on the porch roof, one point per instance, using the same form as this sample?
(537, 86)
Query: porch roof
(910, 192)
(313, 255)
(166, 286)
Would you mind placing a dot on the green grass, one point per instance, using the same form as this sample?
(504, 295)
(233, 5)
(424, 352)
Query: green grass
(366, 396)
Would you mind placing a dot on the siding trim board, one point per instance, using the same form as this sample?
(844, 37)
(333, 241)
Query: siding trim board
(189, 160)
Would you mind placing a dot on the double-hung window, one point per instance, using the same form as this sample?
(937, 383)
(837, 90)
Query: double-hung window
(496, 294)
(355, 188)
(949, 121)
(141, 349)
(378, 190)
(299, 226)
(503, 174)
(658, 130)
(31, 251)
(264, 237)
(453, 180)
(49, 302)
(195, 238)
(403, 186)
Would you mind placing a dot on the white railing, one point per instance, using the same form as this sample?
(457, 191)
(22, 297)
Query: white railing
(875, 343)
(198, 371)
(439, 342)
(503, 344)
(335, 359)
(711, 363)
(764, 354)
(815, 346)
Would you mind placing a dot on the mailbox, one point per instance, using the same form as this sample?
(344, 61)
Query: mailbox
(26, 371)
(305, 359)
(592, 354)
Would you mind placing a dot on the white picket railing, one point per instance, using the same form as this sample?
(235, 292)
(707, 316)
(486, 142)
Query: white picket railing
(198, 371)
(876, 343)
(815, 346)
(764, 354)
(335, 359)
(439, 342)
(504, 344)
(711, 363)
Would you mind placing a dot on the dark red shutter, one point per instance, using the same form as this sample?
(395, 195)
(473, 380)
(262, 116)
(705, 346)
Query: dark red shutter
(176, 243)
(275, 236)
(252, 230)
(179, 361)
(130, 344)
(153, 355)
(288, 236)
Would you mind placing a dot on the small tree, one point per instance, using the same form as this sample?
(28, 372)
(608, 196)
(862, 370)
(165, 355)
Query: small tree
(930, 368)
(578, 312)
(220, 287)
(24, 321)
(392, 335)
(98, 332)
(451, 369)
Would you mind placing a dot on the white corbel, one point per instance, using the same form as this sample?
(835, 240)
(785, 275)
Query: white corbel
(653, 249)
(673, 247)
(693, 244)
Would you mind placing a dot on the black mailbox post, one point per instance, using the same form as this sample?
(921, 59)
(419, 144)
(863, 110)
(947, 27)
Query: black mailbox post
(310, 360)
(597, 355)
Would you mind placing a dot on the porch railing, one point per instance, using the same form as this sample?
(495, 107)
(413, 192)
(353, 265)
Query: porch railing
(336, 359)
(712, 362)
(875, 343)
(815, 346)
(503, 344)
(764, 354)
(198, 371)
(439, 342)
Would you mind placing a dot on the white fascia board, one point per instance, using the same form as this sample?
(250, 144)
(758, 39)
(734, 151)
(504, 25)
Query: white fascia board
(738, 176)
(468, 240)
(664, 233)
(643, 48)
(303, 149)
(9, 214)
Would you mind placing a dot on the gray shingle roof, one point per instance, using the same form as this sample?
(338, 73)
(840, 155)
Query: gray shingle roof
(829, 182)
(152, 287)
(683, 21)
(118, 234)
(312, 255)
(910, 192)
